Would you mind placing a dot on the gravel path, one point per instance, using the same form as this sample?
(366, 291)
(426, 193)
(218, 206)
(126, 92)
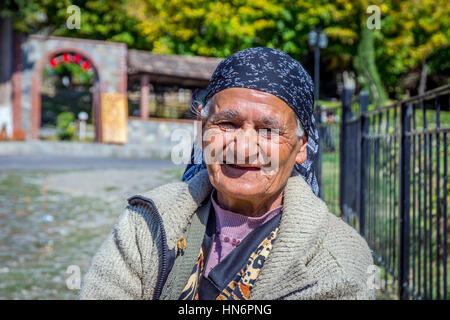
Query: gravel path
(46, 162)
(53, 219)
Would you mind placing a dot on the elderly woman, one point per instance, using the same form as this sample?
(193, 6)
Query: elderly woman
(235, 229)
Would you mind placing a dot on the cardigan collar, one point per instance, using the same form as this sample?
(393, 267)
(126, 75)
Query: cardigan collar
(302, 228)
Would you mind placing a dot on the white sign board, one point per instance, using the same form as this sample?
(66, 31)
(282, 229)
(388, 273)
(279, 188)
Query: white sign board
(6, 119)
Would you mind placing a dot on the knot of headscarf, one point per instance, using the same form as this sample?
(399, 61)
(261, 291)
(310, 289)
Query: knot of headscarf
(274, 72)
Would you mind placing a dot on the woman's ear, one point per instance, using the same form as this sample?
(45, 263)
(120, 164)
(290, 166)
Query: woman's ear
(199, 112)
(302, 153)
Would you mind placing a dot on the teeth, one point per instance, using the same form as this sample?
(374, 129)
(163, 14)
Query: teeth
(242, 167)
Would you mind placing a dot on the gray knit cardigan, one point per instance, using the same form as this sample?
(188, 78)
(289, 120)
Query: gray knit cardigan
(316, 255)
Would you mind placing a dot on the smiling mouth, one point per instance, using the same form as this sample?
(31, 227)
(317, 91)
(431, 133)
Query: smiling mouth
(243, 167)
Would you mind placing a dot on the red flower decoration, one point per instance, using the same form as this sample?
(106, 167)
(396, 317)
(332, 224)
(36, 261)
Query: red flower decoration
(66, 57)
(76, 58)
(86, 65)
(54, 62)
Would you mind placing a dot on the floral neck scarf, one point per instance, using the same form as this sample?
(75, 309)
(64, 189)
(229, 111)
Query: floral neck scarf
(241, 285)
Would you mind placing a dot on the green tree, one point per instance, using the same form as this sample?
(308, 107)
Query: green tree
(65, 125)
(100, 19)
(414, 34)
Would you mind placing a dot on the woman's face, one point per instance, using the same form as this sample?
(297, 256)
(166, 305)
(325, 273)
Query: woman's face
(250, 144)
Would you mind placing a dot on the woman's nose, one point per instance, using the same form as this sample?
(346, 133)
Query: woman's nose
(246, 146)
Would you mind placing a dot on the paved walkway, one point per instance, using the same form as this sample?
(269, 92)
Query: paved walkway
(150, 150)
(49, 162)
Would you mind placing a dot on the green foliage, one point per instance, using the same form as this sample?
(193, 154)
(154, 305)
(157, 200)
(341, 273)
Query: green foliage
(100, 19)
(75, 72)
(64, 124)
(413, 32)
(365, 65)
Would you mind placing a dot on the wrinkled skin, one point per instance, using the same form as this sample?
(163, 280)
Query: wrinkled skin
(242, 184)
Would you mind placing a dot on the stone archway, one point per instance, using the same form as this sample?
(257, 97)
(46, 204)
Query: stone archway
(109, 59)
(36, 100)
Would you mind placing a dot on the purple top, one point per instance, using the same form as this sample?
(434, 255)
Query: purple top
(231, 229)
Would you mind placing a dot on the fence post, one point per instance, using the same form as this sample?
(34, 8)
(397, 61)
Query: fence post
(364, 131)
(346, 115)
(405, 156)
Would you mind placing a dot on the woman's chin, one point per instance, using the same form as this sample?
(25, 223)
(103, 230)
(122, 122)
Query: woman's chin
(240, 188)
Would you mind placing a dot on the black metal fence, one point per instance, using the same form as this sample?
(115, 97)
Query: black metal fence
(385, 171)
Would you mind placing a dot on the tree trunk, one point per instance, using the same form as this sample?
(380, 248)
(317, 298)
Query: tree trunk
(423, 79)
(367, 69)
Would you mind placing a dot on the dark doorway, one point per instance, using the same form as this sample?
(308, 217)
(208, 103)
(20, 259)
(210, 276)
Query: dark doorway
(68, 97)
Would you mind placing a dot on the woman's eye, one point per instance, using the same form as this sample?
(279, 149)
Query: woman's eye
(267, 133)
(226, 125)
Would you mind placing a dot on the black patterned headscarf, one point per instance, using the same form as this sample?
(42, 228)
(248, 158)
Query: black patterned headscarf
(274, 72)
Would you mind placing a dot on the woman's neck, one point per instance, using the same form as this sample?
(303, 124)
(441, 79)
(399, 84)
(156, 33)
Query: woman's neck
(250, 208)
